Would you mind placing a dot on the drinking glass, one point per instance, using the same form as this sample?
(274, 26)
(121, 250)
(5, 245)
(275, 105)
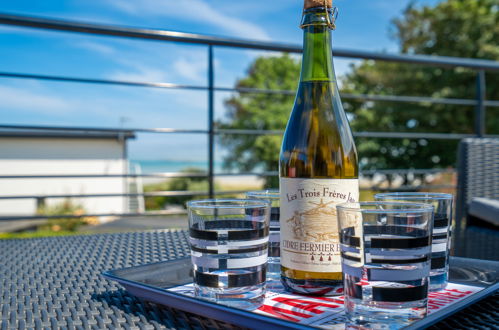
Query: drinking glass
(385, 259)
(440, 248)
(274, 260)
(229, 244)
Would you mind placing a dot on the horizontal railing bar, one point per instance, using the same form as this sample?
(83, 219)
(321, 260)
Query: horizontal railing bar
(154, 34)
(409, 171)
(249, 131)
(449, 136)
(409, 188)
(247, 90)
(57, 216)
(402, 135)
(151, 175)
(136, 130)
(100, 81)
(394, 135)
(155, 194)
(204, 175)
(409, 99)
(439, 61)
(161, 193)
(368, 97)
(105, 129)
(390, 135)
(142, 33)
(140, 83)
(148, 194)
(380, 171)
(365, 97)
(491, 103)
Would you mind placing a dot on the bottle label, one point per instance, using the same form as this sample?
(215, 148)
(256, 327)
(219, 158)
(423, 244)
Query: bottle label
(309, 227)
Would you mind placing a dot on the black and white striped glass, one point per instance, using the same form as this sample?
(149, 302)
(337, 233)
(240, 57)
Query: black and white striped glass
(229, 249)
(385, 254)
(440, 249)
(274, 261)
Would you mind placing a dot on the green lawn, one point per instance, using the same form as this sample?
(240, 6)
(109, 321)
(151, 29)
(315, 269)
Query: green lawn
(37, 234)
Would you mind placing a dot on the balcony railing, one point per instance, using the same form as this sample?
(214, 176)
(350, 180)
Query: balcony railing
(480, 103)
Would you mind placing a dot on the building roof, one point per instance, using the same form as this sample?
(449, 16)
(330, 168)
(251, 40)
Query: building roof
(67, 133)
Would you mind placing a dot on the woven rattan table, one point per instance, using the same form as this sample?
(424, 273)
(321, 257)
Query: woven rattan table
(56, 283)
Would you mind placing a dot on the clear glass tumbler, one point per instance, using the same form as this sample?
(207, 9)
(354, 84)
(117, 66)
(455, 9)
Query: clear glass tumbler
(385, 255)
(229, 246)
(274, 260)
(442, 203)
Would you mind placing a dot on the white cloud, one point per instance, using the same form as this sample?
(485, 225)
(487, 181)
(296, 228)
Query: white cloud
(34, 101)
(171, 64)
(190, 68)
(198, 11)
(95, 47)
(140, 74)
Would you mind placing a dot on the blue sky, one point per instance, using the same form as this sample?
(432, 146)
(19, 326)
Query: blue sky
(362, 24)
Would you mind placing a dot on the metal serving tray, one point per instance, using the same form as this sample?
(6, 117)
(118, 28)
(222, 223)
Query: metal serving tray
(167, 283)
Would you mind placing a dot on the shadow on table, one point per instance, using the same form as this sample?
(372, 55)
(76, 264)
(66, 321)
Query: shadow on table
(135, 311)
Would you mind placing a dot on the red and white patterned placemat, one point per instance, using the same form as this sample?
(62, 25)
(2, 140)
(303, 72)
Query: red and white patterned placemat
(328, 311)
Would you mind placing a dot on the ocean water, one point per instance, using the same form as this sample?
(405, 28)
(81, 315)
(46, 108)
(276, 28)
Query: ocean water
(157, 166)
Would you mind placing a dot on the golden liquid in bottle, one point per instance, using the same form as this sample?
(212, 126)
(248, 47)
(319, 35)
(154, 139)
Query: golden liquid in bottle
(318, 155)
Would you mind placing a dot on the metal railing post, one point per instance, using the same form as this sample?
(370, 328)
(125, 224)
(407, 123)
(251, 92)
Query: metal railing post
(211, 130)
(480, 107)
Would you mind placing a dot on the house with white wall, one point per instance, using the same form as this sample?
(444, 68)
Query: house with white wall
(70, 152)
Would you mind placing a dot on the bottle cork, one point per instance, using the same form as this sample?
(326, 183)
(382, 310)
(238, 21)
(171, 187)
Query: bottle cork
(317, 3)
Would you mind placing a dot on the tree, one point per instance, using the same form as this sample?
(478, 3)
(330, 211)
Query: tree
(260, 111)
(460, 28)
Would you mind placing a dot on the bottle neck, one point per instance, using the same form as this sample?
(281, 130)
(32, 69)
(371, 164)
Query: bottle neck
(317, 61)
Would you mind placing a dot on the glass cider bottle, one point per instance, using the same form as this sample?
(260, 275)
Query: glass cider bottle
(318, 167)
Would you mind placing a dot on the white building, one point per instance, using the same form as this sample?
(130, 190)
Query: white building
(32, 152)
